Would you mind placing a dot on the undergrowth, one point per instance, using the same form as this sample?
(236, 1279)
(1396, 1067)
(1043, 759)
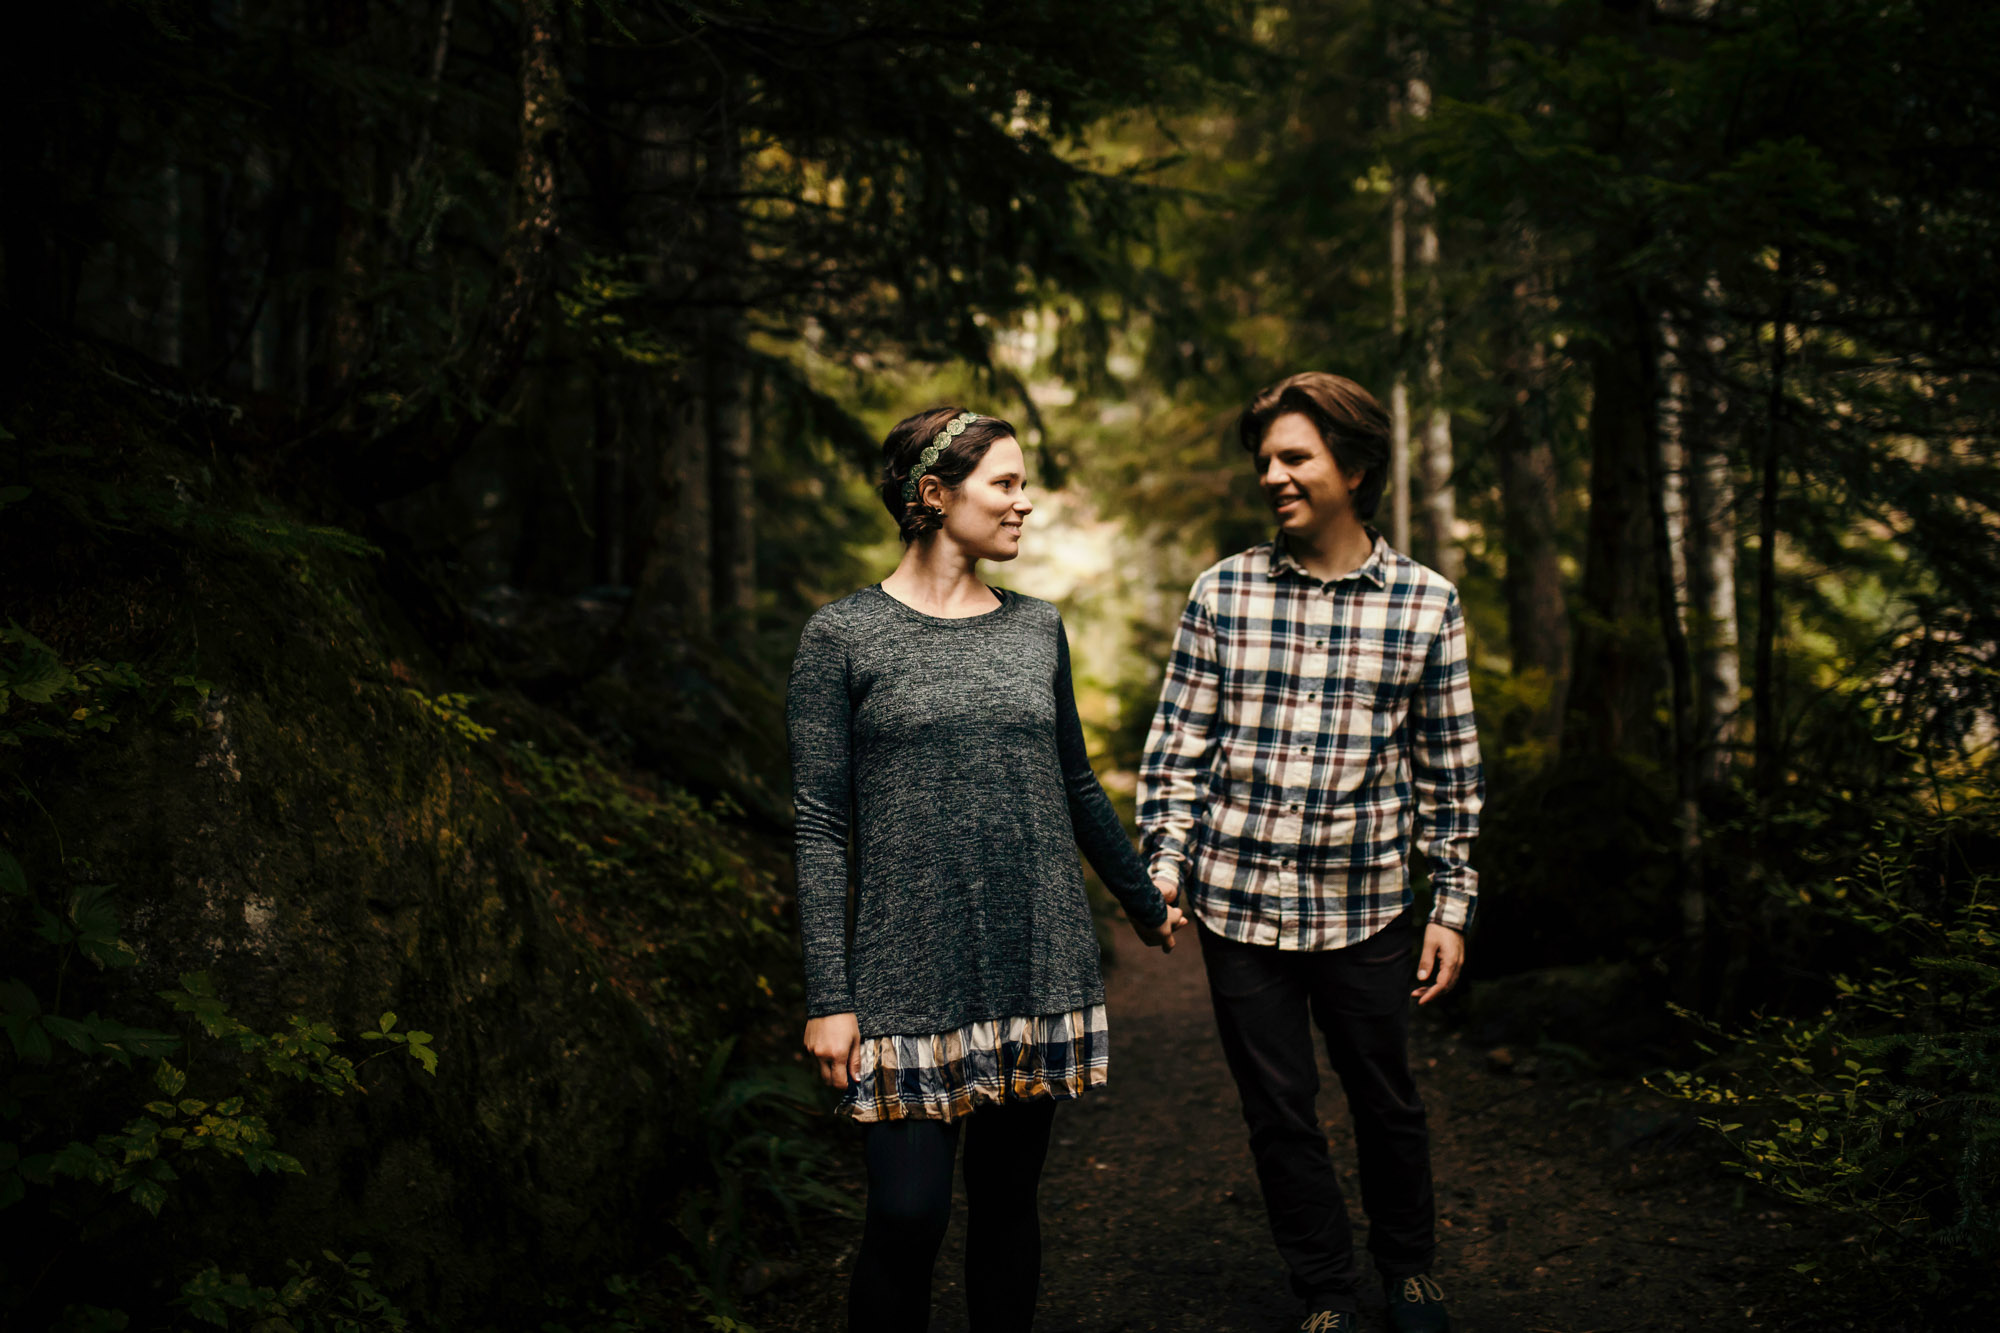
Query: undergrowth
(1883, 1108)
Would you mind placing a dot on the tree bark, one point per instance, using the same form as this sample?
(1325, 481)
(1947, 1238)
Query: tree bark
(676, 568)
(686, 504)
(1615, 675)
(1537, 621)
(1765, 689)
(611, 434)
(1399, 387)
(1440, 540)
(733, 514)
(1711, 555)
(1664, 497)
(527, 259)
(167, 319)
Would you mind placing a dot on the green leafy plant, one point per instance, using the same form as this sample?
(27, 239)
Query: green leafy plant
(343, 1300)
(1884, 1107)
(763, 1152)
(176, 1128)
(451, 709)
(698, 925)
(42, 698)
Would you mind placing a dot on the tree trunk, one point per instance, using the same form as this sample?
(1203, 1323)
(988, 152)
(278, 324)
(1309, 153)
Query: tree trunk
(420, 450)
(685, 504)
(1615, 676)
(1399, 388)
(1767, 777)
(1537, 621)
(611, 434)
(1440, 539)
(677, 565)
(1711, 555)
(733, 514)
(527, 259)
(1670, 585)
(167, 320)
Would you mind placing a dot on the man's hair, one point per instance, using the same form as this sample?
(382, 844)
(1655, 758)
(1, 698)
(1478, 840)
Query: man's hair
(1348, 418)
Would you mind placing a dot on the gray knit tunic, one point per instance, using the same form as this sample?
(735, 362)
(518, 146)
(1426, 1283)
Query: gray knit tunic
(952, 750)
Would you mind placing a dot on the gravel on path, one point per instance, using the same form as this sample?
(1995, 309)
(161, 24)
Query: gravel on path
(1567, 1203)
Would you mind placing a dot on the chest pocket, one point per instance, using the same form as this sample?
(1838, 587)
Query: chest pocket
(1382, 663)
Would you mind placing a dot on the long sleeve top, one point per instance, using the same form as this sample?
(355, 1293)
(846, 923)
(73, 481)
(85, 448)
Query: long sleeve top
(1306, 730)
(951, 751)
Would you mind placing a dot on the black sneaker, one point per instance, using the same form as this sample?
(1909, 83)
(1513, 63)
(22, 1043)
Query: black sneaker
(1416, 1305)
(1323, 1320)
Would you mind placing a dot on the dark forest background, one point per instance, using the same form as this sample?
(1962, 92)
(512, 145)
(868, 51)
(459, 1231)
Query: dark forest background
(426, 427)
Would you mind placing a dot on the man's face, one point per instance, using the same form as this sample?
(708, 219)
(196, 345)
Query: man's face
(1300, 479)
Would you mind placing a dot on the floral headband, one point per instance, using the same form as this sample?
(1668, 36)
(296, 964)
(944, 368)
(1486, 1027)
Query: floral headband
(929, 457)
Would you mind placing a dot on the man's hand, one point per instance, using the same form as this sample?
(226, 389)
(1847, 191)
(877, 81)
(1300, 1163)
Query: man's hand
(1162, 935)
(1442, 956)
(835, 1041)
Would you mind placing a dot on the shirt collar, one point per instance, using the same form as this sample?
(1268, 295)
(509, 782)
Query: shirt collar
(1374, 568)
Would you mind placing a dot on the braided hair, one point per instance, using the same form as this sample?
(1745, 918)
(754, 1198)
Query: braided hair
(904, 448)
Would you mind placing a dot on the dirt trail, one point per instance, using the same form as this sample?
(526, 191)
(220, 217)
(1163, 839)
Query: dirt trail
(1564, 1205)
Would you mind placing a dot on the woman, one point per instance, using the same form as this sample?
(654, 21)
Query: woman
(933, 716)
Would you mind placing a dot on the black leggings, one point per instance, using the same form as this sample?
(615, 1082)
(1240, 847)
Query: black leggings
(909, 1204)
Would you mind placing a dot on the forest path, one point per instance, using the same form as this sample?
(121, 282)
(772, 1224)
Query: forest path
(1564, 1207)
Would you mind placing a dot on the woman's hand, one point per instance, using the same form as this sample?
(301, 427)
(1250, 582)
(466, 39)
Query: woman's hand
(835, 1041)
(1162, 935)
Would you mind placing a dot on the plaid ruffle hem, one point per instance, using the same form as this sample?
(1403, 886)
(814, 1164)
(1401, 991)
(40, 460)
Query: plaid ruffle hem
(945, 1075)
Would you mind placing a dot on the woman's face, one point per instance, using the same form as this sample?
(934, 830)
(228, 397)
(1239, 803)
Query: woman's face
(984, 515)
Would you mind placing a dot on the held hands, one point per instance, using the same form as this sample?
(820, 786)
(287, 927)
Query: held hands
(1442, 955)
(1162, 935)
(835, 1041)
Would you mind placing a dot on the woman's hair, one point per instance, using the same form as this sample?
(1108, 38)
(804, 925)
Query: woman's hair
(1348, 418)
(955, 462)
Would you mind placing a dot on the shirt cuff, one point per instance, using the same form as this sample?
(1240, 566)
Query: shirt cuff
(1453, 907)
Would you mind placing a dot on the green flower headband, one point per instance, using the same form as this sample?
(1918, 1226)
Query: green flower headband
(929, 457)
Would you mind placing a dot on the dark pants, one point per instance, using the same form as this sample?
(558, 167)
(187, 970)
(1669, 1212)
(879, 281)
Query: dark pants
(1360, 999)
(909, 1206)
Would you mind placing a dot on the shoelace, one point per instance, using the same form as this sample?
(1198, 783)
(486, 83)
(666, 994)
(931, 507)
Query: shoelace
(1418, 1289)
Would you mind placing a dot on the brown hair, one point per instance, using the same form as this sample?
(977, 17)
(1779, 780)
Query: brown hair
(1348, 418)
(955, 462)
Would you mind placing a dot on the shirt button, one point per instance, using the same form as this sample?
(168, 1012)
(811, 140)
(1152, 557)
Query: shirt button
(1319, 643)
(1286, 864)
(1295, 806)
(1305, 749)
(1311, 697)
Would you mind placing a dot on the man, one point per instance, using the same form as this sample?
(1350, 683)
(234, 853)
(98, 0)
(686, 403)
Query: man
(1316, 712)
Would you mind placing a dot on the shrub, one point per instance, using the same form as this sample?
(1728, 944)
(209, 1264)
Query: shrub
(1884, 1107)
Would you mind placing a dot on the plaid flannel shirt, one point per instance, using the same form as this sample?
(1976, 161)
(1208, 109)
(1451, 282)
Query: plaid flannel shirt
(1303, 728)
